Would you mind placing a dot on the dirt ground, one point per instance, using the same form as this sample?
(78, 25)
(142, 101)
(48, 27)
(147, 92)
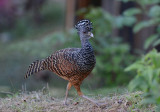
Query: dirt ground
(39, 102)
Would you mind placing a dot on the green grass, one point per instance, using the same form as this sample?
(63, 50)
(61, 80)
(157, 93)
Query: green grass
(47, 100)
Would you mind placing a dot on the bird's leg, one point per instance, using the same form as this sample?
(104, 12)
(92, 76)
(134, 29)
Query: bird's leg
(83, 96)
(69, 85)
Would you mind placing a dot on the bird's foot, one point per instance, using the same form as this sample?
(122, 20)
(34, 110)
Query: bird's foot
(97, 104)
(101, 105)
(94, 102)
(65, 103)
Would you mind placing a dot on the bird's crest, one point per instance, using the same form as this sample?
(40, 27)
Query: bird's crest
(84, 24)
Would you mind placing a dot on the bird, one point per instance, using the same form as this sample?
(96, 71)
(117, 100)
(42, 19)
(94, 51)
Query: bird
(71, 64)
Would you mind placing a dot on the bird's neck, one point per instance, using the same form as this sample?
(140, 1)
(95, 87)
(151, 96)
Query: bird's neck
(87, 54)
(86, 46)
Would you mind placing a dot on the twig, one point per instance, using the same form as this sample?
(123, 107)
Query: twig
(2, 92)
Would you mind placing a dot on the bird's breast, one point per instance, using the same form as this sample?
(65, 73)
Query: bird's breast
(86, 61)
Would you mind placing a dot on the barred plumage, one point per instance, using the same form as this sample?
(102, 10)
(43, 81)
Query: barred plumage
(35, 67)
(72, 64)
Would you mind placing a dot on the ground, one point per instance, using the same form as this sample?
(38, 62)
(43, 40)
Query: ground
(44, 102)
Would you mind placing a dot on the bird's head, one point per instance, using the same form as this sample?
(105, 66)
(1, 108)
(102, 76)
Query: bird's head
(84, 28)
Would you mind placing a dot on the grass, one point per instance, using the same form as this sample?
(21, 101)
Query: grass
(45, 101)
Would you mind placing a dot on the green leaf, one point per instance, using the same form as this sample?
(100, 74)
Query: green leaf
(121, 21)
(148, 74)
(134, 66)
(154, 11)
(129, 20)
(143, 24)
(156, 43)
(150, 41)
(138, 83)
(132, 12)
(147, 2)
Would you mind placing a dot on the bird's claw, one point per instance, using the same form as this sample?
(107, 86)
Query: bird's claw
(97, 104)
(101, 105)
(65, 103)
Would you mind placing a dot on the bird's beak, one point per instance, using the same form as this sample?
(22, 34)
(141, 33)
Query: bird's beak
(90, 34)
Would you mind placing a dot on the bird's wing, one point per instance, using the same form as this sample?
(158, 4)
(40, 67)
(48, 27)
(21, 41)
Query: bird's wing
(63, 62)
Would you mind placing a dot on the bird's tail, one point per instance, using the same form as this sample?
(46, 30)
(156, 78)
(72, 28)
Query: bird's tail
(35, 67)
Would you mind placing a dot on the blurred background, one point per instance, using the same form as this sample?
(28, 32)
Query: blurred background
(33, 29)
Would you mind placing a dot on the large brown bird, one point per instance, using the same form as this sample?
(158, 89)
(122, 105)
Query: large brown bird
(72, 64)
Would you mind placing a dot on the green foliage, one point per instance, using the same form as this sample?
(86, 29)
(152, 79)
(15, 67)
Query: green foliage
(52, 12)
(148, 68)
(150, 11)
(33, 47)
(153, 14)
(132, 11)
(148, 77)
(101, 19)
(27, 26)
(121, 21)
(143, 2)
(111, 61)
(152, 39)
(154, 11)
(20, 27)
